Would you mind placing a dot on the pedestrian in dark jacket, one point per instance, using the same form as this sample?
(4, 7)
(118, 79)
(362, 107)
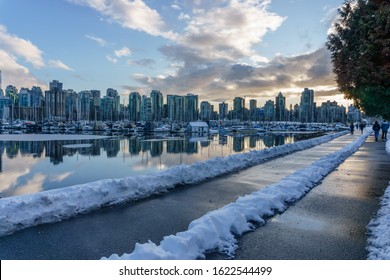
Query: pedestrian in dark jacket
(351, 128)
(385, 128)
(376, 127)
(361, 126)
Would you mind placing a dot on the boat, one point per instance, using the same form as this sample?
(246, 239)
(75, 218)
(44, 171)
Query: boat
(164, 128)
(87, 128)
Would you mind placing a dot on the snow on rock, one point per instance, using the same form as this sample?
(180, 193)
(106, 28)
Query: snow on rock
(29, 210)
(217, 230)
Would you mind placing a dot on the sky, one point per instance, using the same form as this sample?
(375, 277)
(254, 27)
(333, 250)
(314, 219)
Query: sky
(215, 49)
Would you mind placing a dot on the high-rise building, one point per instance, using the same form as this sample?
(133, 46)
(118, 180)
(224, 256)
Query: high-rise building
(252, 109)
(330, 112)
(238, 108)
(223, 110)
(269, 110)
(191, 110)
(280, 107)
(55, 101)
(1, 85)
(146, 108)
(205, 110)
(134, 106)
(106, 108)
(156, 99)
(96, 104)
(307, 107)
(112, 93)
(73, 107)
(176, 105)
(85, 105)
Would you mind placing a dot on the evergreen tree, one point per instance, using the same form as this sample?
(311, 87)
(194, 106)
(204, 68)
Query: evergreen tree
(360, 52)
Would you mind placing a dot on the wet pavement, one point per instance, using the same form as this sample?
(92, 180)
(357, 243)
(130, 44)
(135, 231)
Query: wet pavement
(328, 223)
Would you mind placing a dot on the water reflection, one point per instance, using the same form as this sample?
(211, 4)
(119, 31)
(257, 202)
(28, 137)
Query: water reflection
(31, 166)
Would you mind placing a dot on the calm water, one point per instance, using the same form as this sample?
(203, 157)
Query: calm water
(33, 166)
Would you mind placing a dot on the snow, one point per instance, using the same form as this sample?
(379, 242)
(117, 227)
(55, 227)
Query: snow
(379, 227)
(217, 230)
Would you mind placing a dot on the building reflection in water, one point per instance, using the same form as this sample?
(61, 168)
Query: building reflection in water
(56, 150)
(140, 155)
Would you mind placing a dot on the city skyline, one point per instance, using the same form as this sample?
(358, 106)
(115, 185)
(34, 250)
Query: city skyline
(217, 50)
(60, 104)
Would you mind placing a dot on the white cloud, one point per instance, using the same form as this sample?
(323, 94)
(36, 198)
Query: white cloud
(229, 31)
(101, 42)
(125, 51)
(176, 7)
(111, 59)
(130, 14)
(184, 16)
(21, 48)
(60, 65)
(16, 74)
(59, 177)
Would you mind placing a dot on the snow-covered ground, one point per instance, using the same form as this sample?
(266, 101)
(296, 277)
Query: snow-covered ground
(379, 228)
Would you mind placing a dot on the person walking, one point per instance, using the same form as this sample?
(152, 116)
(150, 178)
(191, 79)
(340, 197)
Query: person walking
(351, 128)
(361, 126)
(385, 128)
(376, 127)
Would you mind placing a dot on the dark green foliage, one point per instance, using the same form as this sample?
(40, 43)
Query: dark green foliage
(360, 51)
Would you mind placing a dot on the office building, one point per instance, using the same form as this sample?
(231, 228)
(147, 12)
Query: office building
(280, 107)
(156, 99)
(307, 106)
(134, 106)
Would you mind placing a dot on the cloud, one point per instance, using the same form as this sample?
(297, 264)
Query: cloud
(184, 16)
(125, 51)
(213, 79)
(175, 7)
(129, 14)
(33, 185)
(16, 74)
(21, 48)
(111, 58)
(229, 31)
(59, 177)
(60, 65)
(101, 42)
(146, 62)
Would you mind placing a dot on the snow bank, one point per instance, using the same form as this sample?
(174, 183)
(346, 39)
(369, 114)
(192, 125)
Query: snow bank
(28, 210)
(217, 229)
(378, 242)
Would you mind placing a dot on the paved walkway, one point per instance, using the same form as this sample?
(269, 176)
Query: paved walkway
(328, 223)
